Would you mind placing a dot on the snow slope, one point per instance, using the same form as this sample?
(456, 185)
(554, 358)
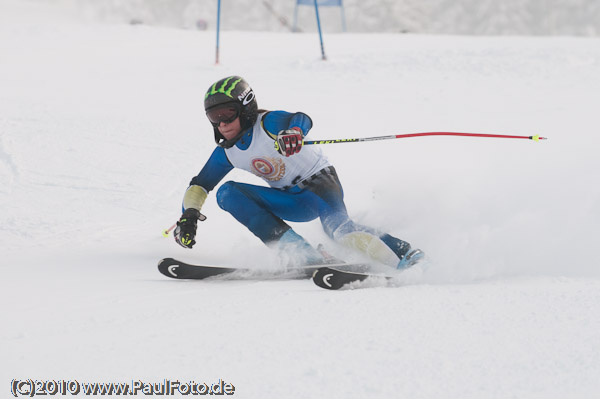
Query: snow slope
(468, 17)
(101, 129)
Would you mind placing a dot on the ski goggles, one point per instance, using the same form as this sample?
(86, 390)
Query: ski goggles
(226, 113)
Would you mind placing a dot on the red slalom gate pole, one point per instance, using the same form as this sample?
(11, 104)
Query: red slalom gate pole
(403, 136)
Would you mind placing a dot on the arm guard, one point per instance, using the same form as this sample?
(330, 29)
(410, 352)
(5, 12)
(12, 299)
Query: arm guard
(194, 197)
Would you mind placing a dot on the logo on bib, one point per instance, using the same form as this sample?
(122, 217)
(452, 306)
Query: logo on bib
(271, 169)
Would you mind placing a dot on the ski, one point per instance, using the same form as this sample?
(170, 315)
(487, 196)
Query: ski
(333, 278)
(177, 269)
(180, 270)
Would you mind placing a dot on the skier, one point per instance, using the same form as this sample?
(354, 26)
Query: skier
(303, 184)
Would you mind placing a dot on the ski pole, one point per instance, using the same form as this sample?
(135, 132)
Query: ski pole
(167, 231)
(402, 136)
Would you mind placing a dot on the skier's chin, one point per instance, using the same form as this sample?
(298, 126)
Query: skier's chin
(228, 134)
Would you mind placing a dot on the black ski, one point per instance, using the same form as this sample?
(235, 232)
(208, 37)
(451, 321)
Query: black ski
(180, 270)
(332, 278)
(176, 269)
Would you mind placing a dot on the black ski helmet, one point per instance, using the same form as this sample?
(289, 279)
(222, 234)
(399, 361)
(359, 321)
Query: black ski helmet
(232, 90)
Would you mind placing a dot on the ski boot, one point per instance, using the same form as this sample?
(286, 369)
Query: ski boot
(295, 251)
(410, 259)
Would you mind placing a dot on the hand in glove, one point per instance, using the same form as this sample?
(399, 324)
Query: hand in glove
(289, 142)
(185, 232)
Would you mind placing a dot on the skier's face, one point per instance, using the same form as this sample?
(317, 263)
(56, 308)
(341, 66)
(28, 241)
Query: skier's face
(230, 130)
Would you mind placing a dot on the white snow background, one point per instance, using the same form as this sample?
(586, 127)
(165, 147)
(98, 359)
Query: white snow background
(102, 127)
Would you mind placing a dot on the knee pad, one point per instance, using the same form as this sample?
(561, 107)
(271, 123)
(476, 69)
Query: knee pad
(371, 245)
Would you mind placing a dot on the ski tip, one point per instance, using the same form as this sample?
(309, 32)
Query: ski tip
(331, 278)
(322, 278)
(167, 267)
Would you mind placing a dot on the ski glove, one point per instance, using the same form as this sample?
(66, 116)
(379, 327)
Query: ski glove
(289, 142)
(185, 232)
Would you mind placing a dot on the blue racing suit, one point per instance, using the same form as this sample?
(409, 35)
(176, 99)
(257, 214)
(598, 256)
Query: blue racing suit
(303, 187)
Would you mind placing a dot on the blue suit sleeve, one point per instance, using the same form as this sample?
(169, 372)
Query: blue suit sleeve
(276, 121)
(213, 171)
(302, 121)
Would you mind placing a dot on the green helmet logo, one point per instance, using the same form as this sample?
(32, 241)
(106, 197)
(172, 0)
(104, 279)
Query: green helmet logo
(225, 87)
